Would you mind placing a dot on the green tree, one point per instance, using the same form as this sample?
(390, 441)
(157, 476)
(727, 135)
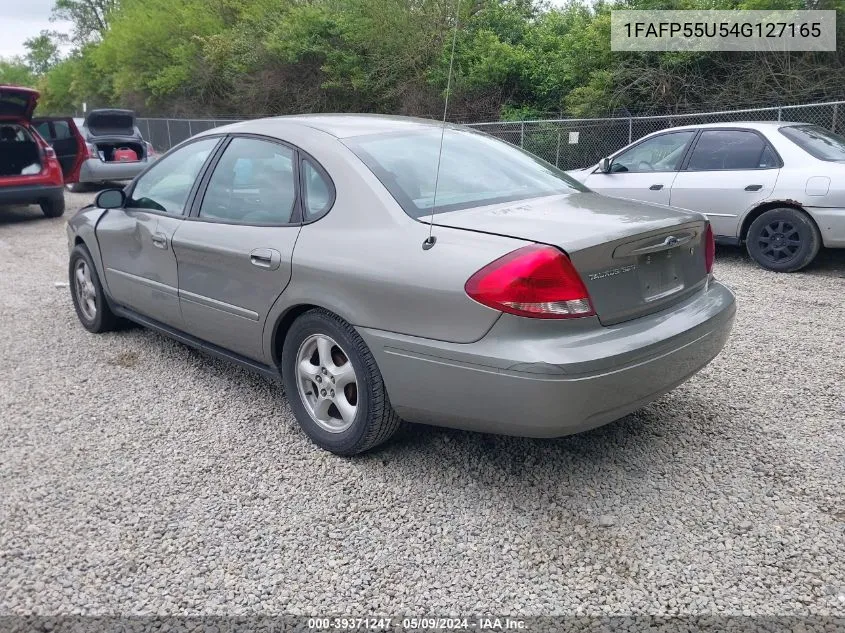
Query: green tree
(513, 58)
(90, 17)
(42, 53)
(15, 72)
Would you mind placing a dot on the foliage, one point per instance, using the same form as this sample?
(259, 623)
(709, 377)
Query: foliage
(15, 72)
(90, 17)
(514, 59)
(42, 53)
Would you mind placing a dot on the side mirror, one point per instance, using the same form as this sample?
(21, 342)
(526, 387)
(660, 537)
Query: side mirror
(110, 199)
(604, 165)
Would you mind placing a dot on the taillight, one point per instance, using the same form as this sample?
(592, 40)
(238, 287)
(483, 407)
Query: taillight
(50, 166)
(533, 281)
(709, 249)
(150, 149)
(90, 151)
(51, 160)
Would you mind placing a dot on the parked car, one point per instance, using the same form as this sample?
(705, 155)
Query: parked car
(777, 187)
(114, 146)
(304, 246)
(31, 170)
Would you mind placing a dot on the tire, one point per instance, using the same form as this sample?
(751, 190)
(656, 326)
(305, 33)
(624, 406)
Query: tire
(783, 240)
(374, 420)
(53, 207)
(101, 318)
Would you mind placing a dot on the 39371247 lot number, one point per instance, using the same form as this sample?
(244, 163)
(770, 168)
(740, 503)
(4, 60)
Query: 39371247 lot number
(350, 624)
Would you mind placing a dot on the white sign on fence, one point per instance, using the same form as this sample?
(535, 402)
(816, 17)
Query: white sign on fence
(573, 137)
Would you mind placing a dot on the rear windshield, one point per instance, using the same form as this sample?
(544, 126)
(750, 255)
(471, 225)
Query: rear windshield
(12, 104)
(816, 141)
(475, 170)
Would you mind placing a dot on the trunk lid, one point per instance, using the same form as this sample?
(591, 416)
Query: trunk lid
(111, 122)
(17, 103)
(635, 258)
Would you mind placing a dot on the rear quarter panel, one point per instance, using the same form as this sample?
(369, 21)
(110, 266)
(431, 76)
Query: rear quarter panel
(818, 187)
(812, 184)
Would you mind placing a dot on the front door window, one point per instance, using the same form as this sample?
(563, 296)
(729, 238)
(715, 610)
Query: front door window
(660, 153)
(166, 186)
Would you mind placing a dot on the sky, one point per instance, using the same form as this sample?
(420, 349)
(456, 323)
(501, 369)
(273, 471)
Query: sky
(22, 19)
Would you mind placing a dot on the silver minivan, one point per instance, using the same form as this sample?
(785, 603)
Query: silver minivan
(778, 188)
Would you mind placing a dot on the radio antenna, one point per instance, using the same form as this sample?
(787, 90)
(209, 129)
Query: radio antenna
(430, 240)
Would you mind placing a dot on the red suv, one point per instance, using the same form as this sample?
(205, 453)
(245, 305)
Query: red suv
(31, 170)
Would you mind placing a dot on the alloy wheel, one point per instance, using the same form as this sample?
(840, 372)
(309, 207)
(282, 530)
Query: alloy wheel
(327, 383)
(86, 293)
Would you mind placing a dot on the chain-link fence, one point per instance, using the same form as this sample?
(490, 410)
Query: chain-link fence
(572, 143)
(567, 143)
(165, 133)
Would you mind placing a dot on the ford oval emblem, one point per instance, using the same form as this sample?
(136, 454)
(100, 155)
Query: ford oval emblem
(671, 241)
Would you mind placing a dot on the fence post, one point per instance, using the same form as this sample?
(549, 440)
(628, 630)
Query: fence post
(169, 142)
(833, 119)
(630, 129)
(557, 155)
(780, 113)
(190, 133)
(522, 134)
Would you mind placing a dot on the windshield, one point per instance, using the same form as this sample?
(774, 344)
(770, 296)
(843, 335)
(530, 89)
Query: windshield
(475, 170)
(816, 141)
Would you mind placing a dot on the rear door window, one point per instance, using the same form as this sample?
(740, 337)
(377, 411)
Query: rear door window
(731, 150)
(61, 130)
(43, 130)
(254, 182)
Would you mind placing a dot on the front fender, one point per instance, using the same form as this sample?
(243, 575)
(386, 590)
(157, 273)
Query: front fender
(83, 226)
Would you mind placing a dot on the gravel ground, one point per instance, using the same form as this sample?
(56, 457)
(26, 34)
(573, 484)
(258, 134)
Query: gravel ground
(139, 476)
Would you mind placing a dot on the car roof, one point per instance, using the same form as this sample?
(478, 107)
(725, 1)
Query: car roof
(349, 125)
(752, 125)
(340, 125)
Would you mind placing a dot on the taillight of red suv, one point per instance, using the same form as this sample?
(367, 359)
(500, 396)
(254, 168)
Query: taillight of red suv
(51, 167)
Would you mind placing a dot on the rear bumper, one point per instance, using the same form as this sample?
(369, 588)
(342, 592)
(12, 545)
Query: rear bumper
(30, 194)
(526, 378)
(95, 170)
(831, 223)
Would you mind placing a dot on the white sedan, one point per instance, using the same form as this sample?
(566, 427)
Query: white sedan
(777, 187)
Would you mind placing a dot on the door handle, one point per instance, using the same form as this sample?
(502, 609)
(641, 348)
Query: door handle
(656, 187)
(159, 240)
(267, 258)
(754, 187)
